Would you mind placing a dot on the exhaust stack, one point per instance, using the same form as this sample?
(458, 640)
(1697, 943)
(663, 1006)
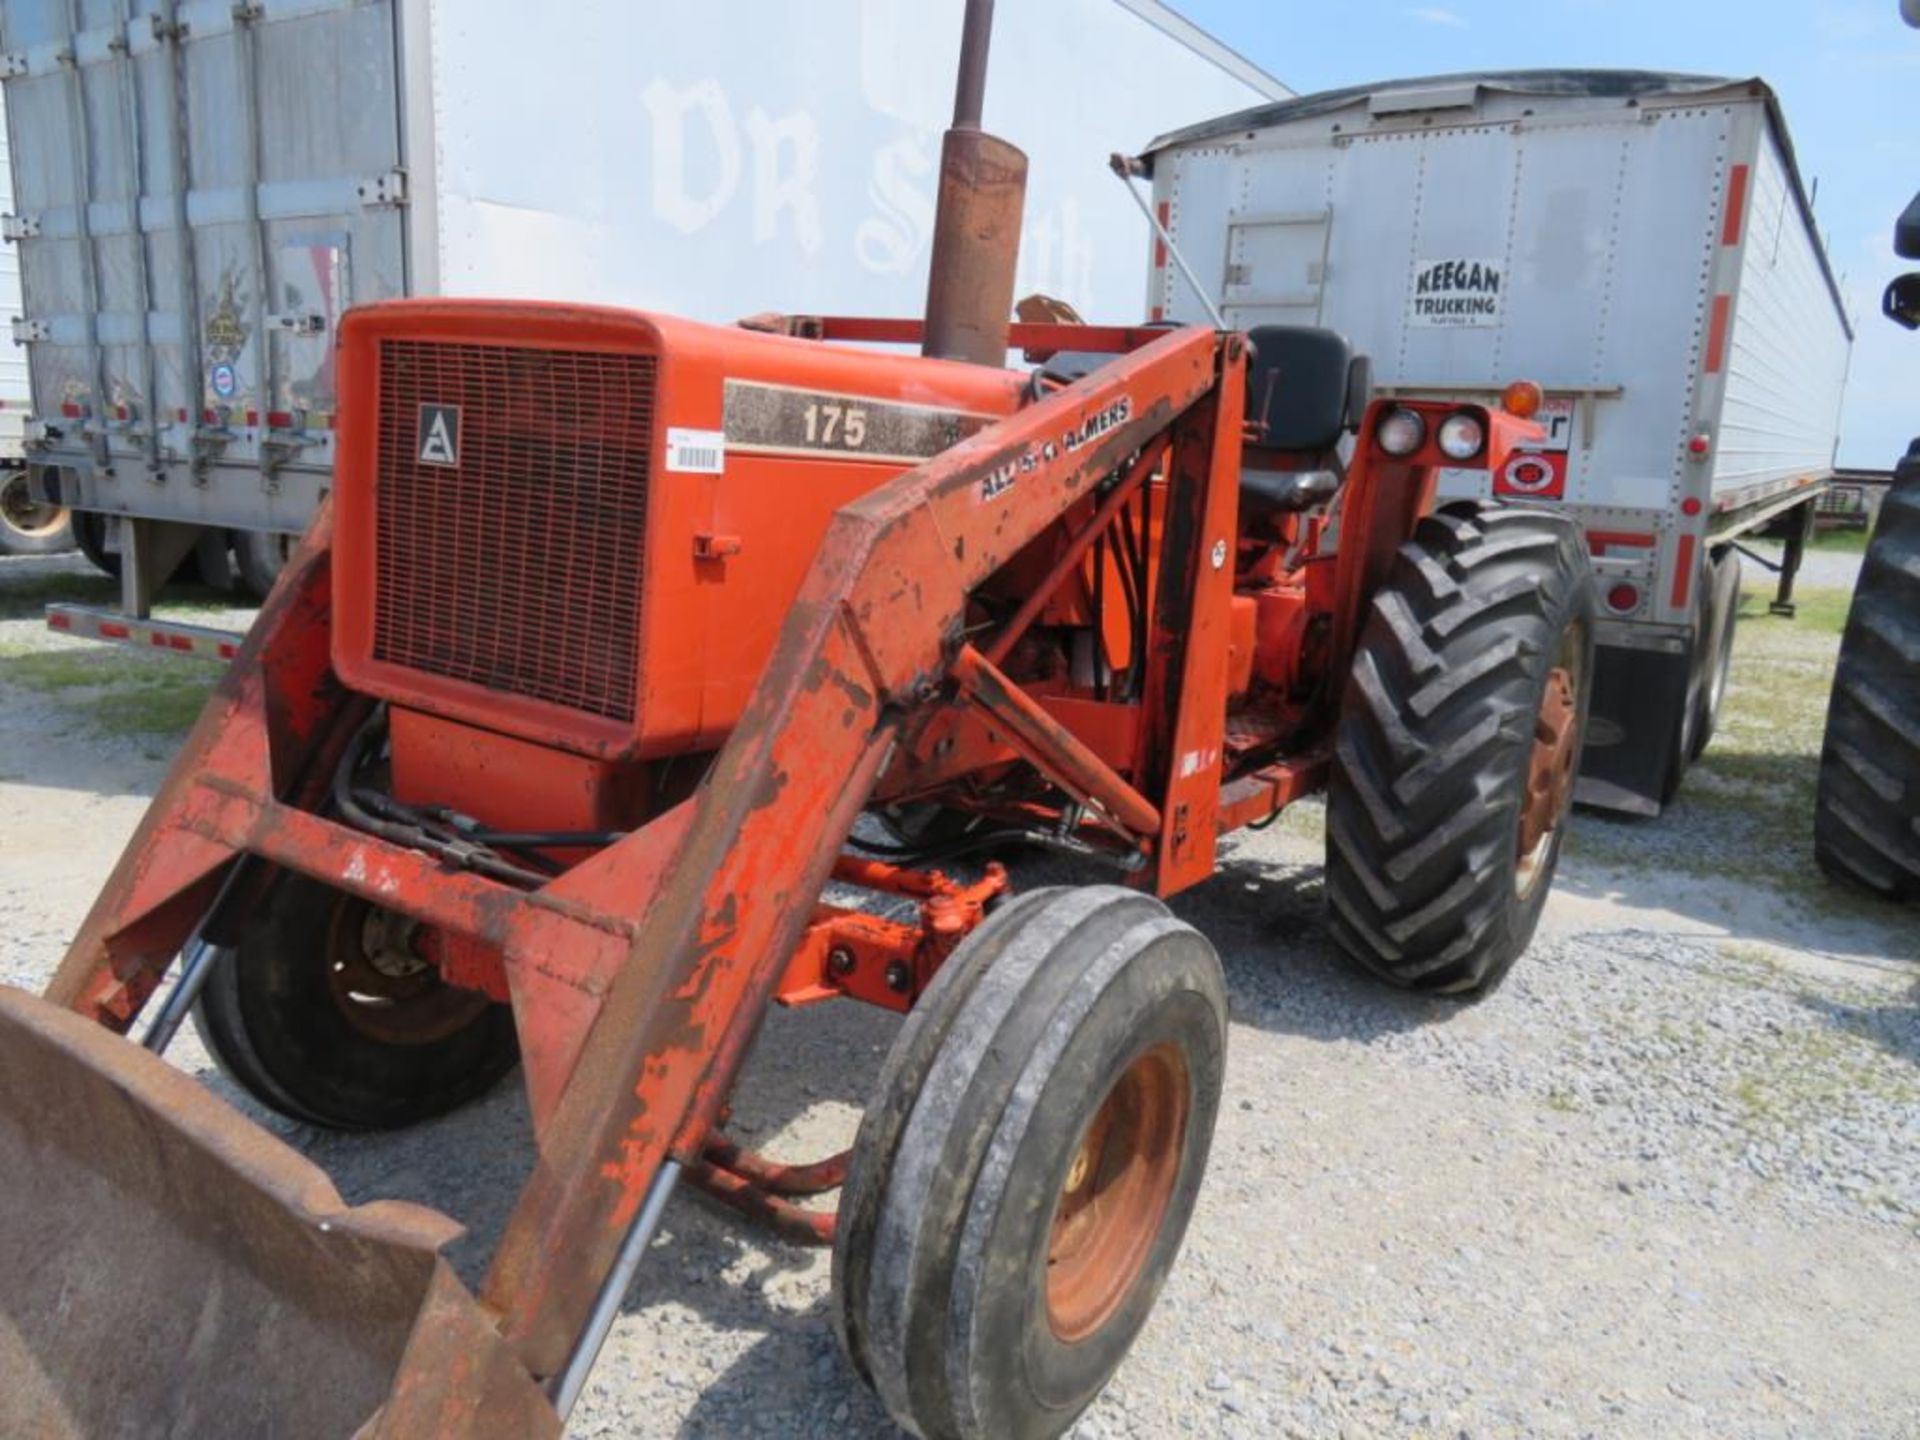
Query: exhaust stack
(976, 232)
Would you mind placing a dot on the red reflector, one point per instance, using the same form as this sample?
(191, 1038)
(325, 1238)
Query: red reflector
(1160, 246)
(179, 642)
(1736, 202)
(227, 652)
(1717, 334)
(70, 410)
(1623, 598)
(114, 630)
(1682, 572)
(57, 621)
(280, 419)
(1690, 506)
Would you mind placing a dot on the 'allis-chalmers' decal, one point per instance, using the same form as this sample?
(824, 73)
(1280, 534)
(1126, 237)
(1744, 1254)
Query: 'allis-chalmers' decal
(1002, 478)
(776, 419)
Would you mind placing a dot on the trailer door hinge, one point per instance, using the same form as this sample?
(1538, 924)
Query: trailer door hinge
(387, 189)
(27, 331)
(19, 227)
(14, 64)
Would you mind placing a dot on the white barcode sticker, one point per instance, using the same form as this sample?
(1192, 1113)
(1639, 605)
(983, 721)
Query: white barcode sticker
(699, 452)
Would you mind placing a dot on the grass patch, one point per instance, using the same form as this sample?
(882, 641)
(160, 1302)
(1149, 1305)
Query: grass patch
(1821, 610)
(114, 693)
(1843, 542)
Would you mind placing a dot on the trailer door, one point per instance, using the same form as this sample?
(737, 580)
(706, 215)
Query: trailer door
(202, 189)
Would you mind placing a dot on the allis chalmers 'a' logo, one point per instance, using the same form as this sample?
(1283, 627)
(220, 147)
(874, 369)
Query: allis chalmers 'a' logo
(439, 435)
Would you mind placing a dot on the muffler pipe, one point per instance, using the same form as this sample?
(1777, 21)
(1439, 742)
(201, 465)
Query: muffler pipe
(976, 231)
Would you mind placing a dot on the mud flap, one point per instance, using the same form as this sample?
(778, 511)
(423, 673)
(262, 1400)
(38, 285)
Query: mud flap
(169, 1269)
(1633, 729)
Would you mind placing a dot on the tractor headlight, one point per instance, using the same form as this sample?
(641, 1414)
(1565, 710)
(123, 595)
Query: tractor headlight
(1461, 436)
(1400, 432)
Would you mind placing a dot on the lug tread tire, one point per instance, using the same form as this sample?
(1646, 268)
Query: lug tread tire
(1433, 742)
(918, 1254)
(1866, 829)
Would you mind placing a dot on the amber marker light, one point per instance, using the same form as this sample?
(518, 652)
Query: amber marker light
(1522, 398)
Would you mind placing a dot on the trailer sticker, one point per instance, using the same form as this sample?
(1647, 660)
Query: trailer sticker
(1456, 293)
(439, 436)
(1555, 416)
(223, 380)
(696, 452)
(783, 420)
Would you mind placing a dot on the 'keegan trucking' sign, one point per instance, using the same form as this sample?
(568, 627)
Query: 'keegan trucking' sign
(1455, 292)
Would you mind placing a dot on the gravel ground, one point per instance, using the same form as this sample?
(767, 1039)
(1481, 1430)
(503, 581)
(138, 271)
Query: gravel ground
(1664, 1182)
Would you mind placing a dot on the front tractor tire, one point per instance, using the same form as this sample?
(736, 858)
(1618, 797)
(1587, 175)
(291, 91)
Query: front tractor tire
(1866, 825)
(1457, 747)
(1023, 1175)
(326, 1012)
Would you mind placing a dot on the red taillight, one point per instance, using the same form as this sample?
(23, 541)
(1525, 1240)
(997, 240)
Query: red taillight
(1623, 599)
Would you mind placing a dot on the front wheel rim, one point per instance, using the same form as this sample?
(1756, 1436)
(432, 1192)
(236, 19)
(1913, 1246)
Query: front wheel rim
(1114, 1197)
(1552, 765)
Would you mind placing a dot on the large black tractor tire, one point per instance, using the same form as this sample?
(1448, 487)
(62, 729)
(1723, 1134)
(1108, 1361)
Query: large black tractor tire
(1866, 824)
(323, 1012)
(1023, 1176)
(1457, 744)
(27, 526)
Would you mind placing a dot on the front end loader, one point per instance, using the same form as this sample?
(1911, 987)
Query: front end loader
(627, 654)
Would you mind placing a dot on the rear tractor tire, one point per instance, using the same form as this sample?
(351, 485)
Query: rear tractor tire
(1457, 748)
(1866, 824)
(1023, 1176)
(325, 1012)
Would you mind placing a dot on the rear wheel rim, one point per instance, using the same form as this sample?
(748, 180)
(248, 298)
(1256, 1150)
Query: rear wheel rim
(383, 984)
(1551, 767)
(26, 515)
(1114, 1196)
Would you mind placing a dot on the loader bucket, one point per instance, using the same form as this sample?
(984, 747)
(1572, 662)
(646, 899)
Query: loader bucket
(168, 1268)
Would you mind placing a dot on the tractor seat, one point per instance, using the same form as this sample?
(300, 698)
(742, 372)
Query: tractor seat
(1286, 491)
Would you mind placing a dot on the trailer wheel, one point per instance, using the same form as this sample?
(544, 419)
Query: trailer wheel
(29, 526)
(1866, 824)
(1457, 747)
(1024, 1173)
(260, 556)
(90, 534)
(1723, 575)
(325, 1013)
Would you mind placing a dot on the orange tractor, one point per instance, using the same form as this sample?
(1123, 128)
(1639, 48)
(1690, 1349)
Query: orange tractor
(625, 639)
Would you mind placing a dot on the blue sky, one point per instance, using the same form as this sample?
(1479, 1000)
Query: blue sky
(1847, 73)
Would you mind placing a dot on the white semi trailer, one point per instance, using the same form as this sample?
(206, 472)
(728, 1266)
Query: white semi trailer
(203, 187)
(1638, 244)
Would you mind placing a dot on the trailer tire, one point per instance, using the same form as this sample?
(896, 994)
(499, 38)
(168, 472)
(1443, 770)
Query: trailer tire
(1866, 825)
(90, 534)
(27, 526)
(259, 556)
(1458, 740)
(1723, 578)
(1023, 1176)
(281, 1018)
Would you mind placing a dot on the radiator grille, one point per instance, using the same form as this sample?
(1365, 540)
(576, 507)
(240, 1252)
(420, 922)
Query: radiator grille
(517, 568)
